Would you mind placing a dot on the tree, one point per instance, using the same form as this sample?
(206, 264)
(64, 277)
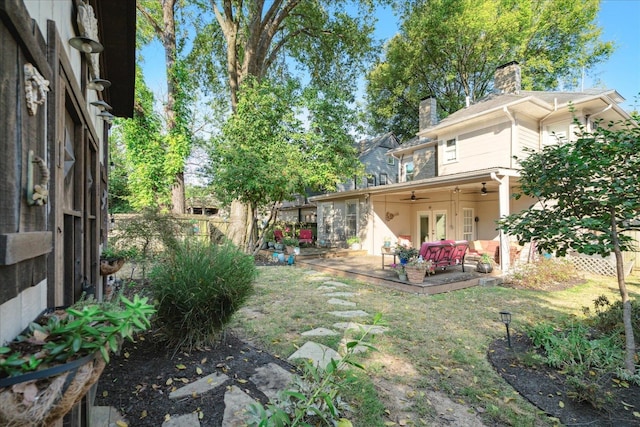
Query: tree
(160, 16)
(264, 153)
(449, 49)
(587, 194)
(311, 40)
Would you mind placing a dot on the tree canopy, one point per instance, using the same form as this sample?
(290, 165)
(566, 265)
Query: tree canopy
(265, 153)
(587, 192)
(449, 49)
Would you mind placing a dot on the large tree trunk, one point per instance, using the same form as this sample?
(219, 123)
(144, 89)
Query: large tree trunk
(177, 194)
(237, 223)
(630, 343)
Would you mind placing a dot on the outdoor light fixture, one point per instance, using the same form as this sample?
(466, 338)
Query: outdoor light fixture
(86, 44)
(505, 316)
(484, 191)
(106, 116)
(103, 106)
(98, 84)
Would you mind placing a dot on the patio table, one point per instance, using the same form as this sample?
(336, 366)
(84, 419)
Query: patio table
(393, 254)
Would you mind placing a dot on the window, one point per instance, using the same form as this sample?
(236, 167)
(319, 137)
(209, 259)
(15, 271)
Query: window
(391, 160)
(351, 218)
(384, 179)
(408, 171)
(451, 151)
(371, 181)
(467, 224)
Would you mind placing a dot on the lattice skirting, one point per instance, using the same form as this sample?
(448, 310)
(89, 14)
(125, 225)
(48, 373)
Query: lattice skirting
(598, 265)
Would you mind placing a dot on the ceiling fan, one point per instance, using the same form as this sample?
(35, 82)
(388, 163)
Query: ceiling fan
(413, 197)
(484, 191)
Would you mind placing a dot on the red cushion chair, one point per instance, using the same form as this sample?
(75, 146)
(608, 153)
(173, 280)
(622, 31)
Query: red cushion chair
(306, 235)
(277, 234)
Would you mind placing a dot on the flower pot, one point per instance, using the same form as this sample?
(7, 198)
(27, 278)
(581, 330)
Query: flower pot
(356, 246)
(279, 246)
(402, 277)
(484, 267)
(415, 275)
(44, 397)
(296, 250)
(110, 266)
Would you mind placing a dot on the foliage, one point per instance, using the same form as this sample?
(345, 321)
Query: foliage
(398, 268)
(145, 235)
(353, 239)
(449, 50)
(486, 259)
(541, 274)
(112, 254)
(405, 252)
(264, 154)
(587, 194)
(606, 318)
(78, 331)
(314, 398)
(198, 288)
(290, 241)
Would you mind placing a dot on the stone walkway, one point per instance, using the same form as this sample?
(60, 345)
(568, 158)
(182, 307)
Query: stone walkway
(271, 378)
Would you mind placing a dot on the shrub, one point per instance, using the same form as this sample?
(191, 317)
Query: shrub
(198, 288)
(608, 317)
(543, 274)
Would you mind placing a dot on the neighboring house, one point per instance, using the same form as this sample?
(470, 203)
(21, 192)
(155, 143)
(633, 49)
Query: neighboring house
(54, 148)
(456, 178)
(380, 169)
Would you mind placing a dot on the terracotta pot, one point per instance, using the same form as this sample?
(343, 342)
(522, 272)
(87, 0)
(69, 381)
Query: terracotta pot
(415, 275)
(110, 266)
(484, 267)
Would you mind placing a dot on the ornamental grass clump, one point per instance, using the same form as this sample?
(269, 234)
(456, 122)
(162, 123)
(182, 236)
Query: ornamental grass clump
(198, 287)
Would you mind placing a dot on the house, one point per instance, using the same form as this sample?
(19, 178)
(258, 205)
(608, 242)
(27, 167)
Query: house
(456, 177)
(380, 169)
(66, 68)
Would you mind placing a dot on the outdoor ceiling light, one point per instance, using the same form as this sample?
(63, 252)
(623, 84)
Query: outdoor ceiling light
(103, 106)
(505, 317)
(86, 45)
(106, 116)
(98, 84)
(483, 191)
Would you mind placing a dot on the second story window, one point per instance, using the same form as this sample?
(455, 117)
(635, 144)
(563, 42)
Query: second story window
(451, 151)
(391, 160)
(384, 180)
(408, 171)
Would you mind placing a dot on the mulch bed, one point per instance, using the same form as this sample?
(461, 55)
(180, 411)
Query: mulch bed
(546, 388)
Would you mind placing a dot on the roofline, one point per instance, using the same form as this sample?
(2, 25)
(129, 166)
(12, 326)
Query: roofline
(435, 182)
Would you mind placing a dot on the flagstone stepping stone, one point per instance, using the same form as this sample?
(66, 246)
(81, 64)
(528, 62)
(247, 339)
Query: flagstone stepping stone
(235, 404)
(337, 301)
(319, 354)
(372, 329)
(326, 288)
(356, 350)
(271, 379)
(186, 420)
(339, 294)
(352, 313)
(320, 332)
(201, 386)
(336, 284)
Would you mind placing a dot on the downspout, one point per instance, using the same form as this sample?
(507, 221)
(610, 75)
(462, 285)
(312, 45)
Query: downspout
(590, 116)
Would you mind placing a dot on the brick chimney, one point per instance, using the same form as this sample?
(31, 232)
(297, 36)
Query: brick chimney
(507, 78)
(428, 113)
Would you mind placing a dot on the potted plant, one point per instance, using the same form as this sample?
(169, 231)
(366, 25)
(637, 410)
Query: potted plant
(112, 260)
(354, 243)
(48, 369)
(291, 243)
(416, 269)
(399, 269)
(406, 254)
(269, 237)
(485, 264)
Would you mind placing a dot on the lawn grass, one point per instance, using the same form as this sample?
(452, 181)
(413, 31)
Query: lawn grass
(434, 342)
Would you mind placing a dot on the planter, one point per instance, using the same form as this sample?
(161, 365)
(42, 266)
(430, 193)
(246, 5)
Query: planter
(356, 246)
(484, 267)
(279, 246)
(296, 250)
(44, 397)
(110, 266)
(402, 277)
(415, 275)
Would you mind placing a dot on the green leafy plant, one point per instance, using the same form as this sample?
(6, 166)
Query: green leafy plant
(113, 254)
(486, 259)
(406, 253)
(353, 239)
(314, 398)
(290, 241)
(78, 331)
(199, 287)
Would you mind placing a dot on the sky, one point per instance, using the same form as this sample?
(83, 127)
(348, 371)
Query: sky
(619, 19)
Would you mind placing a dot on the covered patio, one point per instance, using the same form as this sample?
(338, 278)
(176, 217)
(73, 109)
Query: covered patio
(369, 268)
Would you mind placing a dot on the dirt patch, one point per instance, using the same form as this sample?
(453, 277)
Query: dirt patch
(547, 388)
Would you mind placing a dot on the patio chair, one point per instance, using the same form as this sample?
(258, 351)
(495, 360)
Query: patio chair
(459, 251)
(306, 236)
(277, 234)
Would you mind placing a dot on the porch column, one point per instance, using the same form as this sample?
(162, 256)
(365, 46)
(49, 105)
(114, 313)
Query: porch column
(503, 201)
